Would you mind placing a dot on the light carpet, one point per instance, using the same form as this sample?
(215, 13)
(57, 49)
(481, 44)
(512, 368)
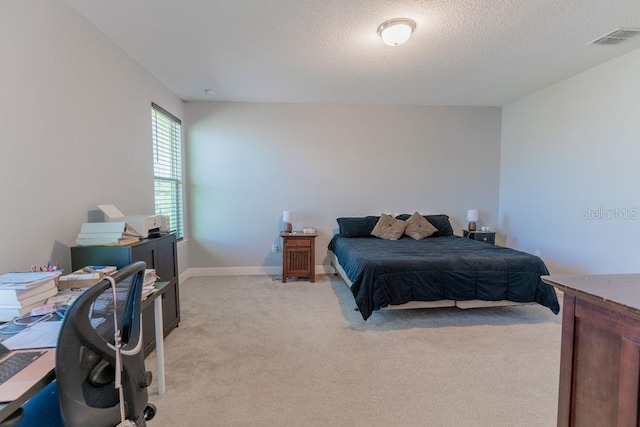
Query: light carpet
(251, 351)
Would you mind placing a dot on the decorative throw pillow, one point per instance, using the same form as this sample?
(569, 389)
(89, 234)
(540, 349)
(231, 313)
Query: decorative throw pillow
(418, 227)
(357, 226)
(439, 221)
(389, 228)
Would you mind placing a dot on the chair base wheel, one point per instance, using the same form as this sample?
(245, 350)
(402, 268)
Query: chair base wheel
(149, 412)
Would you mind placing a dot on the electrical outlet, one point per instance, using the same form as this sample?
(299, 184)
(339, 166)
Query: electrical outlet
(274, 248)
(537, 252)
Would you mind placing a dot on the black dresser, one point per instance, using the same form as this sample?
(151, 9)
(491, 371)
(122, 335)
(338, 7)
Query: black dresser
(159, 253)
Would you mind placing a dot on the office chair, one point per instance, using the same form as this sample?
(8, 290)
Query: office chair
(86, 357)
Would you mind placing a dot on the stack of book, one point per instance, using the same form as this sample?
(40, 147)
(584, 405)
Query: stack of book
(86, 277)
(22, 292)
(105, 233)
(149, 282)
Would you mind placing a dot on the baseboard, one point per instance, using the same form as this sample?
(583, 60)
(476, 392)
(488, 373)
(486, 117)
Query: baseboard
(184, 275)
(243, 271)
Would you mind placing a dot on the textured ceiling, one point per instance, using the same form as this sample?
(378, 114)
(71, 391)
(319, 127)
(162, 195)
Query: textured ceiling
(463, 52)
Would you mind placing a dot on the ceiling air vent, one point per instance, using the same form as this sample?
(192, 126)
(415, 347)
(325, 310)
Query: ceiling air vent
(616, 36)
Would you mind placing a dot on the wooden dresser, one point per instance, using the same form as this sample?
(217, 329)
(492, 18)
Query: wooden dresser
(600, 350)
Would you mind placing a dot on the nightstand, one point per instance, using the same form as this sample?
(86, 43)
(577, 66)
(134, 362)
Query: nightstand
(482, 236)
(298, 255)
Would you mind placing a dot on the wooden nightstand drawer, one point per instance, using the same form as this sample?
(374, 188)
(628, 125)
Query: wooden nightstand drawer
(298, 242)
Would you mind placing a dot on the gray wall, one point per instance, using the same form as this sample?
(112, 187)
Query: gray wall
(76, 130)
(569, 172)
(248, 162)
(75, 118)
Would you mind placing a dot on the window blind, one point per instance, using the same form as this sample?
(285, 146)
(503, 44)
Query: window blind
(167, 166)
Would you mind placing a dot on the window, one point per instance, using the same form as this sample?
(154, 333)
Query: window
(167, 166)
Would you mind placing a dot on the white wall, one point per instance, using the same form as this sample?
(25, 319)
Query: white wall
(570, 152)
(248, 162)
(76, 130)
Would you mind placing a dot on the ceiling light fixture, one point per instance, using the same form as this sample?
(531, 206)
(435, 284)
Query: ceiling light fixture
(396, 31)
(209, 92)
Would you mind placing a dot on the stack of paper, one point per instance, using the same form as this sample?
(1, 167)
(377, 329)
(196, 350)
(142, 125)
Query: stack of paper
(105, 233)
(149, 276)
(148, 284)
(147, 290)
(21, 292)
(40, 335)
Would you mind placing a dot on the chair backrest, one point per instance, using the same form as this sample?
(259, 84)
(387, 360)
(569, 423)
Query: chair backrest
(86, 360)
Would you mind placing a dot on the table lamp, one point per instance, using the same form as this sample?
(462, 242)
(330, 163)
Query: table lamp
(472, 217)
(287, 217)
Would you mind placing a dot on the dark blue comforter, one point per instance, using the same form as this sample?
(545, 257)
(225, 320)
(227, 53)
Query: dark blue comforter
(387, 272)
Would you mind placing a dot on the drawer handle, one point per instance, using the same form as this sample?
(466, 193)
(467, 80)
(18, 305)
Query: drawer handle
(485, 239)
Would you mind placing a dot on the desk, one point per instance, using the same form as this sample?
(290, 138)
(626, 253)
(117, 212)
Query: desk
(156, 299)
(600, 350)
(9, 408)
(6, 409)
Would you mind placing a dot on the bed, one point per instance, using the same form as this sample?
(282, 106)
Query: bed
(440, 270)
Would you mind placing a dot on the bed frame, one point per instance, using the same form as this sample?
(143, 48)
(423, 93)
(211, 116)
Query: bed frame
(475, 303)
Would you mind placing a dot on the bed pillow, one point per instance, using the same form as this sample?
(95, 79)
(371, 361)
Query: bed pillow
(418, 227)
(439, 221)
(357, 226)
(389, 228)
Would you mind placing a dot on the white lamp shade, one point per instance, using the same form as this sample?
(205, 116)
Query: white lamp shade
(396, 31)
(287, 216)
(472, 215)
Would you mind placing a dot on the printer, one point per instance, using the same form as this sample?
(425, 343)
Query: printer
(141, 226)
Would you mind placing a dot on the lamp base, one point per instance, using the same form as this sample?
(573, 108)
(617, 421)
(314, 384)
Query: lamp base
(287, 227)
(472, 226)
